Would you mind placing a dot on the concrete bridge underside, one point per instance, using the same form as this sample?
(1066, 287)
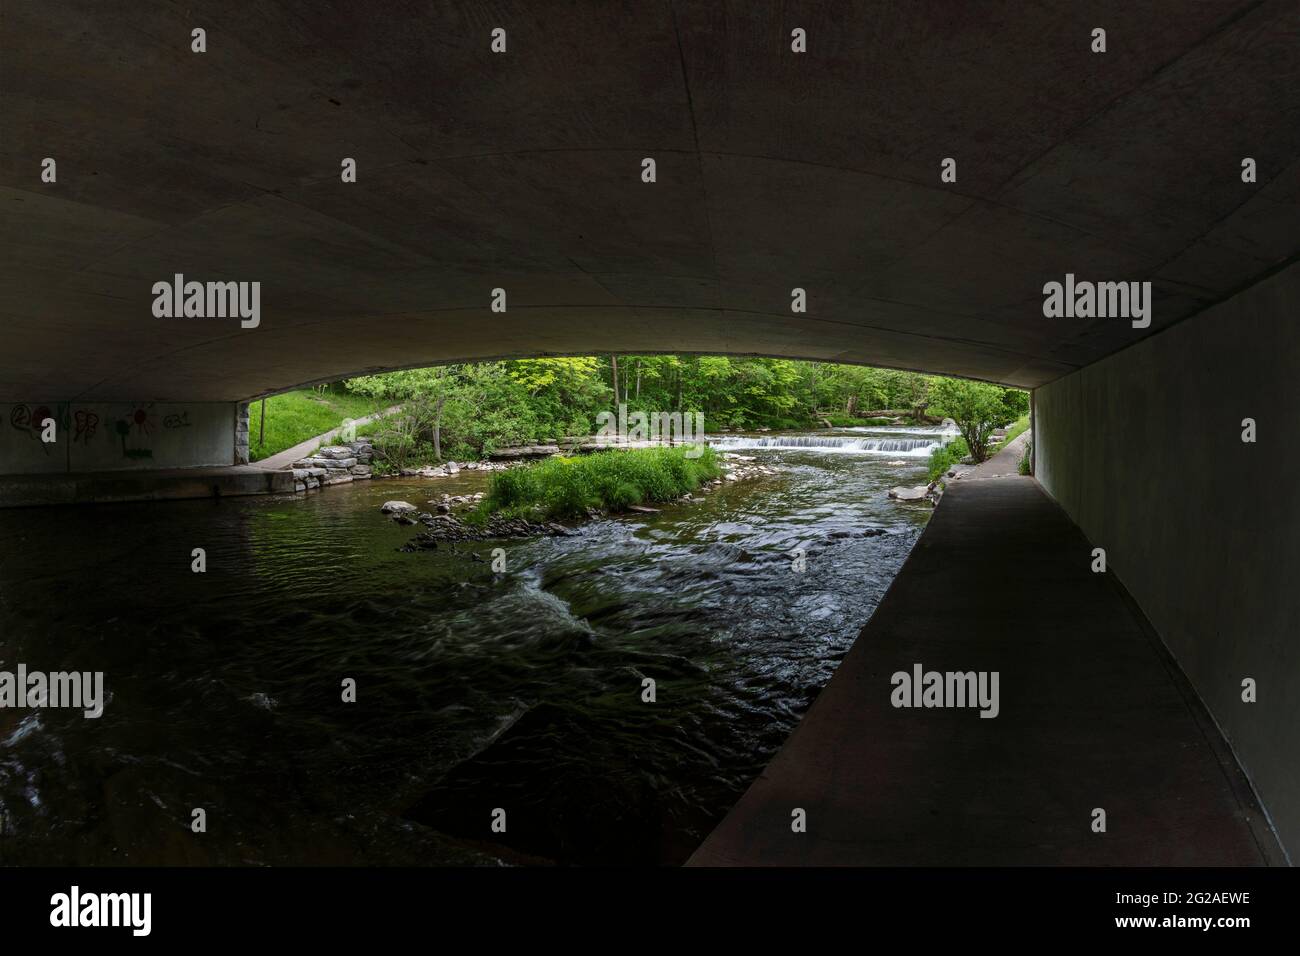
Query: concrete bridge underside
(522, 171)
(775, 170)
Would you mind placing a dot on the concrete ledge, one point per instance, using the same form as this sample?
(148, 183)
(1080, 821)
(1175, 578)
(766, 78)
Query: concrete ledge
(1093, 713)
(99, 487)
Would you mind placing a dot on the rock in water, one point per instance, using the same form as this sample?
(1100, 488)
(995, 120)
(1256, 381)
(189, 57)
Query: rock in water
(445, 527)
(397, 507)
(909, 494)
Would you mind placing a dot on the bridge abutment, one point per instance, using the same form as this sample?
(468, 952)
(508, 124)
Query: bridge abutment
(119, 436)
(1146, 451)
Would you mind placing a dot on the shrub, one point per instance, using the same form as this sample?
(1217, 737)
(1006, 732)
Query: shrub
(976, 407)
(614, 480)
(945, 456)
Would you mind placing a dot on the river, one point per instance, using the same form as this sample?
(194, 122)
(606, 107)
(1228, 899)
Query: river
(475, 691)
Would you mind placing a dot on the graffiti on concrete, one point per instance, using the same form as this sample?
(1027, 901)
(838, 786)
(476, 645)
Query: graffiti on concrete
(135, 429)
(85, 423)
(28, 420)
(100, 433)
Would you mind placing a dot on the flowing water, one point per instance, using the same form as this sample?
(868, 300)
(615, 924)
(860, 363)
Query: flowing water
(475, 691)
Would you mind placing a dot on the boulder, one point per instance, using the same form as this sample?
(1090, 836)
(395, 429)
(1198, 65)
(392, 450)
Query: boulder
(397, 507)
(335, 451)
(909, 494)
(317, 462)
(527, 451)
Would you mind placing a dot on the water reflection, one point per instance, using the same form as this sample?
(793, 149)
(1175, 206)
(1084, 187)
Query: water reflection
(475, 690)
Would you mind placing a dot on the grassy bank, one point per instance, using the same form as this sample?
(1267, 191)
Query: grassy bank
(608, 480)
(945, 456)
(297, 416)
(1016, 429)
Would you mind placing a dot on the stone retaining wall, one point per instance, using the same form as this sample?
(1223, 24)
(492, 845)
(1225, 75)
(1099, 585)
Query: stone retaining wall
(334, 465)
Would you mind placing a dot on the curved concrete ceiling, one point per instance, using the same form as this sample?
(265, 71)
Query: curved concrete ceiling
(522, 171)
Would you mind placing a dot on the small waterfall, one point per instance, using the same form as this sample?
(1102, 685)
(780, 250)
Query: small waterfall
(904, 447)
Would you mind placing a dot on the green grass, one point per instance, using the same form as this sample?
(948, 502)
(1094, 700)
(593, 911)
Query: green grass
(1019, 426)
(610, 480)
(1025, 460)
(945, 456)
(297, 416)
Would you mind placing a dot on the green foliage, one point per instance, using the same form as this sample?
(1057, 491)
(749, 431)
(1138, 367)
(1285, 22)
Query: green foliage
(1015, 403)
(613, 480)
(489, 405)
(1017, 428)
(975, 406)
(405, 384)
(296, 416)
(945, 456)
(1025, 466)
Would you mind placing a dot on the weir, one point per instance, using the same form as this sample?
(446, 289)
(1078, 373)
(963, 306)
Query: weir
(898, 446)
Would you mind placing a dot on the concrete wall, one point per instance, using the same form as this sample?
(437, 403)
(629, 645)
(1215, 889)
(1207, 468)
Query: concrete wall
(1144, 450)
(115, 436)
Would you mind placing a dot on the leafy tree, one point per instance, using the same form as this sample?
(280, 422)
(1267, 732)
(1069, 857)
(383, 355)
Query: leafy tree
(472, 409)
(976, 407)
(1015, 403)
(426, 392)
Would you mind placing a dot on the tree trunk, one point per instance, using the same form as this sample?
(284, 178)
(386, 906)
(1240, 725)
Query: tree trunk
(613, 364)
(638, 380)
(437, 428)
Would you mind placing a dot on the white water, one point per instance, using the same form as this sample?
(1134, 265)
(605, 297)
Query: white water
(878, 445)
